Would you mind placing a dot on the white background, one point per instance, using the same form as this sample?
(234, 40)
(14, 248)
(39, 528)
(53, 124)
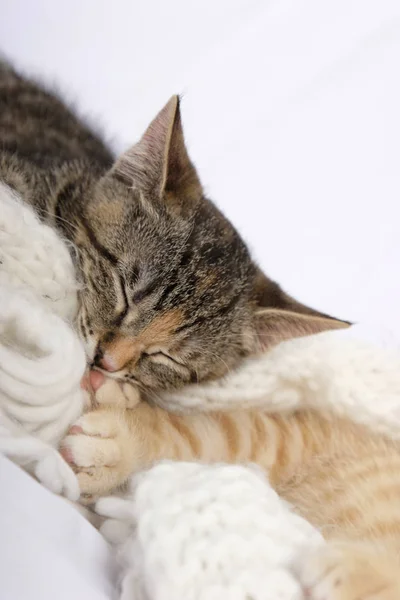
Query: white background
(291, 110)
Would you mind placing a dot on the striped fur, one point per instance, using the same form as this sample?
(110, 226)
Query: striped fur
(341, 477)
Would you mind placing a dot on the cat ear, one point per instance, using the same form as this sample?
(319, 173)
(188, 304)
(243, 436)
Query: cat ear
(268, 294)
(279, 317)
(274, 325)
(159, 162)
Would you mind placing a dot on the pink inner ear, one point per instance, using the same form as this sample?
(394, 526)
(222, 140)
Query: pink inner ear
(276, 325)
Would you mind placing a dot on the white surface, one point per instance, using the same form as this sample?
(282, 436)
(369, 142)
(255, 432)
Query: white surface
(47, 550)
(291, 113)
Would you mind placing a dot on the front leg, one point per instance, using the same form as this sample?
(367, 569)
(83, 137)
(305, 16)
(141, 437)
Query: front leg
(97, 447)
(102, 445)
(106, 446)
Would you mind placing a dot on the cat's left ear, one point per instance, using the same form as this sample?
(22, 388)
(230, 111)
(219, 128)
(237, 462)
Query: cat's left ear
(274, 325)
(159, 162)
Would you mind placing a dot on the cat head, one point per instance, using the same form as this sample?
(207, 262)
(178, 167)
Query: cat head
(171, 294)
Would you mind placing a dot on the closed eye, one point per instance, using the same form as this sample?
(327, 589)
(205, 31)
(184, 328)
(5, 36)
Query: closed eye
(159, 354)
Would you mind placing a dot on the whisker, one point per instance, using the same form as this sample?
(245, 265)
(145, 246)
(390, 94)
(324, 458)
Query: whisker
(206, 353)
(50, 214)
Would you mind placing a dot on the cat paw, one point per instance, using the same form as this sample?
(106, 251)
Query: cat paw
(104, 391)
(98, 448)
(348, 572)
(118, 394)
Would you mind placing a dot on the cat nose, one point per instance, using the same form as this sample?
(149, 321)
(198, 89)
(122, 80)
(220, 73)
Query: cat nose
(107, 363)
(113, 356)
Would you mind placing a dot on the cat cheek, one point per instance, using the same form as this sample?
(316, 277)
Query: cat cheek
(143, 373)
(159, 376)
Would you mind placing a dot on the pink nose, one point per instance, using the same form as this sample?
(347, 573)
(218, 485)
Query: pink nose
(113, 356)
(108, 363)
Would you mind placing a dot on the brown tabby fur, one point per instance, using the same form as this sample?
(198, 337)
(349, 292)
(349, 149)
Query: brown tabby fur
(169, 291)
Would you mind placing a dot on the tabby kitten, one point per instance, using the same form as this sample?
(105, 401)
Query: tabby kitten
(169, 292)
(338, 475)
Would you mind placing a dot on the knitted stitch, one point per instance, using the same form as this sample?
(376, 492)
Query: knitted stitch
(192, 532)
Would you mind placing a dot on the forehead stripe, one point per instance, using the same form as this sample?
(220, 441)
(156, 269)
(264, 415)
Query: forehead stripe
(63, 196)
(168, 290)
(99, 247)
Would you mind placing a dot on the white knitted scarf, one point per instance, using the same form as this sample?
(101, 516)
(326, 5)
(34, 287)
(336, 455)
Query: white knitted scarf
(185, 531)
(41, 359)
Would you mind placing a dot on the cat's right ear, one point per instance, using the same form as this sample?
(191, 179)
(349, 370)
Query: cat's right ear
(274, 325)
(278, 317)
(159, 163)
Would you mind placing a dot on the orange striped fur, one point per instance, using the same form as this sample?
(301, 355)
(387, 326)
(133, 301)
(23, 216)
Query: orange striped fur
(338, 475)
